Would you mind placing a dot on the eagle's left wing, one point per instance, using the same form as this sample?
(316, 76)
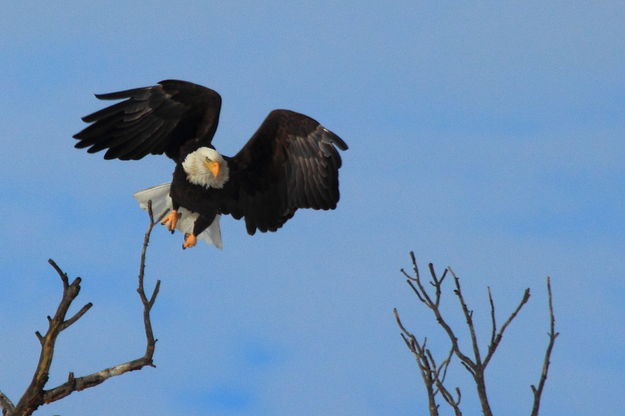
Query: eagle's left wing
(291, 162)
(152, 120)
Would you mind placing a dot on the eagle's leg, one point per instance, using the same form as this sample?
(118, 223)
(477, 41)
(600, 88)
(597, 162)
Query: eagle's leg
(171, 220)
(201, 223)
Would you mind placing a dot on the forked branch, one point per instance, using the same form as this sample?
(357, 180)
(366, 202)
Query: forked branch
(433, 375)
(36, 394)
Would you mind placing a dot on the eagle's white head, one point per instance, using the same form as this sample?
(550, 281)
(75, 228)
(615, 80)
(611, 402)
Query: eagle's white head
(206, 167)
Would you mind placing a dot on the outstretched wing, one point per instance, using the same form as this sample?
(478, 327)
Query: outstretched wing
(291, 162)
(152, 120)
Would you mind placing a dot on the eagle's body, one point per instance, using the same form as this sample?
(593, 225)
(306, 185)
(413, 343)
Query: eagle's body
(289, 163)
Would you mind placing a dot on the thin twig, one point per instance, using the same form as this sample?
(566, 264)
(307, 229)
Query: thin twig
(449, 398)
(479, 368)
(444, 366)
(538, 391)
(425, 298)
(492, 317)
(428, 373)
(495, 343)
(76, 316)
(440, 382)
(468, 315)
(437, 283)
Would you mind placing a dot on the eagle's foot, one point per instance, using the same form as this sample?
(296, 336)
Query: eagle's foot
(171, 220)
(189, 241)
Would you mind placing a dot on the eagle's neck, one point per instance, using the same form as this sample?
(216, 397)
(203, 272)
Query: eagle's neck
(197, 173)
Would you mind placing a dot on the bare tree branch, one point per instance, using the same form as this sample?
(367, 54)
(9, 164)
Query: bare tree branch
(444, 365)
(425, 298)
(35, 394)
(434, 374)
(76, 316)
(478, 368)
(436, 282)
(493, 320)
(6, 404)
(427, 373)
(430, 371)
(538, 391)
(440, 383)
(468, 315)
(495, 343)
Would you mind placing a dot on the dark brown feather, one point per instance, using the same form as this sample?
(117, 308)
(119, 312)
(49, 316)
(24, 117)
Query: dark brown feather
(291, 162)
(173, 117)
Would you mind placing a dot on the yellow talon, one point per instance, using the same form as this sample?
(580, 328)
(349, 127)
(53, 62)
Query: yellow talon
(189, 241)
(171, 220)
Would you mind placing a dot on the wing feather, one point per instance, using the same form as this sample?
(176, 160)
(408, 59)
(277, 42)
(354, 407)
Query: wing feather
(163, 118)
(136, 146)
(134, 92)
(119, 138)
(291, 162)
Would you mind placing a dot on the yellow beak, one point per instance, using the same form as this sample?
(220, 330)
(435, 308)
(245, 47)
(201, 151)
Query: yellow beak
(213, 167)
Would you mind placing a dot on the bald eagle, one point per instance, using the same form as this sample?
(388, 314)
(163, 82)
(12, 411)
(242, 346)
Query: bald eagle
(290, 162)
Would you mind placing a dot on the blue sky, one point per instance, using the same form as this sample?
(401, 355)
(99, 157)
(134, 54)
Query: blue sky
(483, 135)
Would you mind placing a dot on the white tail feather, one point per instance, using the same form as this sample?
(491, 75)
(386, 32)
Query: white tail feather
(161, 202)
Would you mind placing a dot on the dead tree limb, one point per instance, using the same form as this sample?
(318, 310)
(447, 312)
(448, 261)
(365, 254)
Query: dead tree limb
(433, 375)
(538, 391)
(35, 394)
(6, 404)
(474, 362)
